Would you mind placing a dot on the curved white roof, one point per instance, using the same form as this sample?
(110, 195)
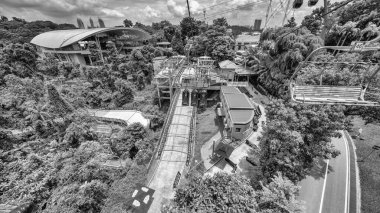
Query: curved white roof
(62, 38)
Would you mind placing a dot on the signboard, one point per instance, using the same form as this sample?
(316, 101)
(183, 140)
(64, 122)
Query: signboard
(359, 46)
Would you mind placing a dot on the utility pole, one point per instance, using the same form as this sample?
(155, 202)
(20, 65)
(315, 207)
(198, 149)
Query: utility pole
(204, 14)
(324, 27)
(188, 7)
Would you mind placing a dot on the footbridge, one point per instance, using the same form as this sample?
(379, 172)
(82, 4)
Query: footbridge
(174, 152)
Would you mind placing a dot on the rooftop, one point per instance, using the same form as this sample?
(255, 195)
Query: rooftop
(62, 38)
(230, 90)
(238, 101)
(129, 116)
(242, 116)
(227, 64)
(239, 107)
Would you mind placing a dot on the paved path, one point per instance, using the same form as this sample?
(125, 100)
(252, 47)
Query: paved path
(174, 155)
(327, 189)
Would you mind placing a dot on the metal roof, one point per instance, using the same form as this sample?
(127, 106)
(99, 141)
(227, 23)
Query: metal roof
(62, 38)
(230, 90)
(241, 116)
(238, 101)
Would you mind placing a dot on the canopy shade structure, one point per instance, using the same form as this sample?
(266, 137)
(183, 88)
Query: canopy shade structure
(62, 38)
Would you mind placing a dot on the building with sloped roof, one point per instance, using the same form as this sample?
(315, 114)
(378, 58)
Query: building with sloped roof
(86, 46)
(238, 111)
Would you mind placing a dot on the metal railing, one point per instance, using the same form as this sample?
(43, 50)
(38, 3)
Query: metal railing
(238, 83)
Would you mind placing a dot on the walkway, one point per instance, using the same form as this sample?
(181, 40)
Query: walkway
(328, 187)
(173, 157)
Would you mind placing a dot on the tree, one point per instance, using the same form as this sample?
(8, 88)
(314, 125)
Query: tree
(80, 23)
(169, 32)
(291, 22)
(279, 196)
(57, 104)
(127, 23)
(24, 55)
(220, 193)
(161, 25)
(189, 27)
(3, 18)
(123, 94)
(177, 43)
(222, 22)
(296, 135)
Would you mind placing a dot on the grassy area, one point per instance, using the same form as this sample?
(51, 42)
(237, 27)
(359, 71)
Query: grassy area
(370, 168)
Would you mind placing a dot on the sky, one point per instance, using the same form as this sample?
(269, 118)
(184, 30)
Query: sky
(113, 12)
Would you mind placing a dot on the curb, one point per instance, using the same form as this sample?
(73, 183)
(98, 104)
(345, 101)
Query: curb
(358, 189)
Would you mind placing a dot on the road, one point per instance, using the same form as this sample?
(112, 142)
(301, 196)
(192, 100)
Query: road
(327, 188)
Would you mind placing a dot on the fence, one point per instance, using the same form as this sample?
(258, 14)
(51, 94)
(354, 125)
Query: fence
(165, 129)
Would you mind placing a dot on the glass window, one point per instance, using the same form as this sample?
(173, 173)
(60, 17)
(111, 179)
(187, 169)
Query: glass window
(238, 130)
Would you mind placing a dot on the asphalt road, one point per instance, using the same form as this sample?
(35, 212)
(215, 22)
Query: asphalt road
(327, 189)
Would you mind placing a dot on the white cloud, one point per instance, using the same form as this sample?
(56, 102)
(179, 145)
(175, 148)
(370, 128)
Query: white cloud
(179, 9)
(176, 10)
(150, 12)
(112, 13)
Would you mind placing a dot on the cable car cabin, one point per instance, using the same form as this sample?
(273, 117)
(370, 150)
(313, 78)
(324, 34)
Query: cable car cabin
(345, 95)
(297, 4)
(312, 3)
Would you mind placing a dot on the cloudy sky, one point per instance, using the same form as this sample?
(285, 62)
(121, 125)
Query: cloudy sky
(113, 12)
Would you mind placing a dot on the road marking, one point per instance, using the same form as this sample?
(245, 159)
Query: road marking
(347, 173)
(324, 187)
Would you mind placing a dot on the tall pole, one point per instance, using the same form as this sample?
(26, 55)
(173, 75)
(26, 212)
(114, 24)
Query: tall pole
(324, 28)
(188, 7)
(286, 13)
(267, 15)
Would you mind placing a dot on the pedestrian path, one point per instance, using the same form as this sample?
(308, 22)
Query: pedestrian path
(174, 155)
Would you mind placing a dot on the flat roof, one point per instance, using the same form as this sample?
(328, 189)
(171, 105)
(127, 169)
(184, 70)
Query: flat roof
(238, 101)
(243, 116)
(230, 90)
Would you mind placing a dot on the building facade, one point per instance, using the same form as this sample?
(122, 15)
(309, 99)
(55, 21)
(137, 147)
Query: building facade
(86, 46)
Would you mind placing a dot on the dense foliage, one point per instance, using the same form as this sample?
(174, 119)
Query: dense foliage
(21, 31)
(233, 193)
(297, 135)
(50, 154)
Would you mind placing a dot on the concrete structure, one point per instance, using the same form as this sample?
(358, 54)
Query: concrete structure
(176, 153)
(242, 42)
(227, 69)
(74, 45)
(128, 116)
(238, 112)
